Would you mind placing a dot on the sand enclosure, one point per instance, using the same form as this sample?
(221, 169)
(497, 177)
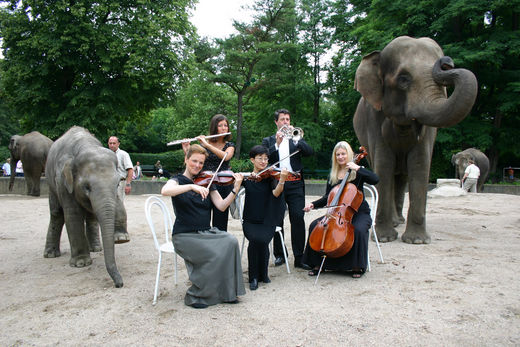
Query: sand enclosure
(462, 289)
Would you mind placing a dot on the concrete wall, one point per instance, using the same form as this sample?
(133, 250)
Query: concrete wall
(154, 187)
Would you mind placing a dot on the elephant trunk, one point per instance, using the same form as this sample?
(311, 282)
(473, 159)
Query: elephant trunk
(105, 213)
(13, 172)
(446, 112)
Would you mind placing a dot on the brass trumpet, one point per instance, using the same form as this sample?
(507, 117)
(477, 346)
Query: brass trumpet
(290, 132)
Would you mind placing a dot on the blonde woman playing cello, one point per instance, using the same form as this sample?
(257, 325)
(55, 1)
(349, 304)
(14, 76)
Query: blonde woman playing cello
(356, 259)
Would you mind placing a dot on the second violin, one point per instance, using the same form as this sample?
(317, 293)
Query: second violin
(275, 173)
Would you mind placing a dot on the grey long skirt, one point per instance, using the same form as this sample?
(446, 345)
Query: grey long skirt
(212, 259)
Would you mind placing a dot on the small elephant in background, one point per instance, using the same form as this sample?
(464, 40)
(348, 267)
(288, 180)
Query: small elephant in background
(83, 180)
(32, 150)
(460, 160)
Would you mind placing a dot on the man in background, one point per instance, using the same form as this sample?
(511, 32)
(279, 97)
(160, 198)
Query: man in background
(279, 149)
(124, 167)
(471, 175)
(138, 173)
(6, 168)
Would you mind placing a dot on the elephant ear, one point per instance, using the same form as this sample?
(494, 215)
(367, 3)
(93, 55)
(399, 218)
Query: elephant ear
(454, 159)
(368, 80)
(69, 178)
(13, 146)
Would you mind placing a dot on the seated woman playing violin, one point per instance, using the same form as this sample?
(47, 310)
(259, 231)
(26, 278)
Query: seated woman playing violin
(356, 259)
(217, 147)
(262, 209)
(212, 256)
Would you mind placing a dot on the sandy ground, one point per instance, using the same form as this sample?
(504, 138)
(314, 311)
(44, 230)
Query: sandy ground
(460, 290)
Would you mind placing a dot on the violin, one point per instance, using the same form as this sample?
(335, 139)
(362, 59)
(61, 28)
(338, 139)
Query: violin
(275, 173)
(225, 178)
(222, 178)
(333, 235)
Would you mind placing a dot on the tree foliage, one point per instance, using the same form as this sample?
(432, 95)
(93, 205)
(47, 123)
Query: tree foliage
(480, 35)
(95, 64)
(135, 68)
(239, 61)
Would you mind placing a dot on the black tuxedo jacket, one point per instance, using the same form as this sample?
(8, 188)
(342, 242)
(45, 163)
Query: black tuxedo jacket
(296, 160)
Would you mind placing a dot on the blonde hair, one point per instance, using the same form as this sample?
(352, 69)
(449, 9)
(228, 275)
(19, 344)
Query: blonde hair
(196, 149)
(334, 171)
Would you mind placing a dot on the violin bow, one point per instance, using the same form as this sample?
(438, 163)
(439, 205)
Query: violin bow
(270, 167)
(218, 168)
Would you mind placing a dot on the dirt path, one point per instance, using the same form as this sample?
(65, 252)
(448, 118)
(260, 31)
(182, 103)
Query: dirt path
(462, 289)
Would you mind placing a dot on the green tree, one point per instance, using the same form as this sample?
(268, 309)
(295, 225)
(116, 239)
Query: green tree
(95, 64)
(480, 35)
(316, 41)
(236, 65)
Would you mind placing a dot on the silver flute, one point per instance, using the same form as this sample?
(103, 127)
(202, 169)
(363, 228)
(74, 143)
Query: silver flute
(176, 142)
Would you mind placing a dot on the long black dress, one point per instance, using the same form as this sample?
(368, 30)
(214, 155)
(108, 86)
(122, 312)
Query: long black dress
(212, 256)
(261, 210)
(356, 258)
(220, 219)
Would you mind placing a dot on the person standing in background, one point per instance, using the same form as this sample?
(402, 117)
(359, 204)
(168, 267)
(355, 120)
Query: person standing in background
(19, 169)
(124, 168)
(138, 173)
(294, 192)
(6, 168)
(471, 175)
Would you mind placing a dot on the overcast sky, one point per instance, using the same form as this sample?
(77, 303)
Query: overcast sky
(214, 18)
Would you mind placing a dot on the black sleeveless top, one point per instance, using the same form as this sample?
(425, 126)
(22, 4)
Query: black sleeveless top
(212, 160)
(191, 212)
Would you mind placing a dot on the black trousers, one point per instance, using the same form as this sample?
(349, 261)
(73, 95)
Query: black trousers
(259, 236)
(220, 219)
(258, 260)
(294, 195)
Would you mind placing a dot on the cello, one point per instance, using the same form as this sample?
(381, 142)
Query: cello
(333, 236)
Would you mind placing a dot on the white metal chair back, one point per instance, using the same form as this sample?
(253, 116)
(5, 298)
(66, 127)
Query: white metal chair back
(372, 198)
(167, 245)
(240, 201)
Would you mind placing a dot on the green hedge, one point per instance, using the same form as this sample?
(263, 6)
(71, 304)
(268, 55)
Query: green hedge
(4, 154)
(171, 161)
(174, 161)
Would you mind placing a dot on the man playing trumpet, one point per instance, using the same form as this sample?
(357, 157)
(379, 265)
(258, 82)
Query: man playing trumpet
(280, 147)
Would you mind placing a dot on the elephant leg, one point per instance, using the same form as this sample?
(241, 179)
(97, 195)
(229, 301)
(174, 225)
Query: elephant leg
(36, 182)
(79, 246)
(400, 187)
(386, 206)
(52, 244)
(120, 226)
(418, 172)
(92, 228)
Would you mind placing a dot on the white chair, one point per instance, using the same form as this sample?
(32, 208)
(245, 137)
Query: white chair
(372, 198)
(167, 246)
(239, 200)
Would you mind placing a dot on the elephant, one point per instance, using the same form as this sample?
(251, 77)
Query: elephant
(403, 102)
(460, 160)
(32, 150)
(83, 180)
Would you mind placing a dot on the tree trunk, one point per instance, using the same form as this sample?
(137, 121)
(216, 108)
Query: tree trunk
(240, 121)
(493, 151)
(316, 92)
